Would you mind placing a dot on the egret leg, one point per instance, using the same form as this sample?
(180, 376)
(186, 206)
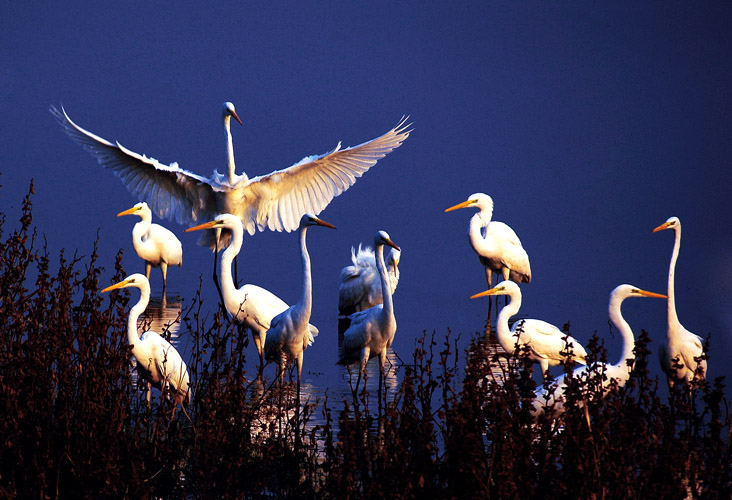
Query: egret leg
(215, 276)
(297, 402)
(164, 269)
(489, 279)
(148, 266)
(506, 274)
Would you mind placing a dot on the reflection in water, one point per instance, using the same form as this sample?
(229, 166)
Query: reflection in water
(492, 351)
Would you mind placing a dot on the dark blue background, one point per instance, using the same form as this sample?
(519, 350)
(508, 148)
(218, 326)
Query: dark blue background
(589, 123)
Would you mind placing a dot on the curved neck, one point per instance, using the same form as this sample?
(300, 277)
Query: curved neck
(132, 337)
(616, 317)
(477, 223)
(385, 288)
(509, 310)
(307, 277)
(671, 304)
(231, 164)
(227, 257)
(139, 230)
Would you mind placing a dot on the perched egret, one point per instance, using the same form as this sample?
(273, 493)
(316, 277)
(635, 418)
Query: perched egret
(359, 287)
(620, 372)
(372, 331)
(496, 244)
(681, 354)
(289, 334)
(275, 201)
(545, 341)
(153, 243)
(157, 361)
(251, 305)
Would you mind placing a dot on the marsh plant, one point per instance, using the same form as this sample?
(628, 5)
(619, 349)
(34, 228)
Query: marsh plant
(75, 423)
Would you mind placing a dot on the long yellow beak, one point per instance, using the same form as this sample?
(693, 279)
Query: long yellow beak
(236, 117)
(392, 245)
(205, 225)
(121, 284)
(492, 291)
(129, 211)
(321, 222)
(464, 204)
(663, 226)
(652, 294)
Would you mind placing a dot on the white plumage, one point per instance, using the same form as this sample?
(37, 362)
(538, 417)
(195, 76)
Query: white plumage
(153, 243)
(251, 305)
(545, 341)
(275, 201)
(620, 371)
(359, 287)
(158, 362)
(496, 244)
(372, 331)
(289, 335)
(681, 353)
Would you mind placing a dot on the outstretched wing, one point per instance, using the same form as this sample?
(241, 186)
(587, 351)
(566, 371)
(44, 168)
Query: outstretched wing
(278, 200)
(172, 193)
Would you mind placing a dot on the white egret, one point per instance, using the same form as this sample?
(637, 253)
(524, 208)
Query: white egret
(251, 305)
(158, 362)
(275, 201)
(681, 354)
(153, 243)
(545, 341)
(620, 372)
(359, 287)
(496, 244)
(372, 331)
(289, 334)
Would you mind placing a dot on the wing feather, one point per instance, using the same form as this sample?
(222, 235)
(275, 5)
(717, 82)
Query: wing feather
(330, 174)
(171, 192)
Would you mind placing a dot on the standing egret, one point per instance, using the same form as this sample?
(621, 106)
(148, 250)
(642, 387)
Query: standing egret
(275, 201)
(372, 331)
(251, 305)
(620, 372)
(153, 243)
(157, 361)
(545, 341)
(681, 354)
(496, 244)
(359, 287)
(289, 333)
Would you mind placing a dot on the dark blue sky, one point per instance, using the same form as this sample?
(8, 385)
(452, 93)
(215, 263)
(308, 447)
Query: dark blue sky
(589, 124)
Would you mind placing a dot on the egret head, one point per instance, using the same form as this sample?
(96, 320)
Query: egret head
(230, 110)
(382, 238)
(671, 223)
(141, 209)
(311, 220)
(507, 287)
(479, 200)
(137, 280)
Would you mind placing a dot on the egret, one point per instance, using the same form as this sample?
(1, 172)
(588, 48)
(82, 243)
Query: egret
(153, 243)
(275, 201)
(496, 244)
(681, 355)
(372, 331)
(359, 287)
(620, 372)
(545, 342)
(250, 305)
(289, 334)
(157, 361)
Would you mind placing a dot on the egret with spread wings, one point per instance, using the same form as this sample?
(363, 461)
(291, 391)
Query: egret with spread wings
(275, 201)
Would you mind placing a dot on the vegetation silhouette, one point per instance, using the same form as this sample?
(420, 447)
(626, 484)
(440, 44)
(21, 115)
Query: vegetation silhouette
(74, 425)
